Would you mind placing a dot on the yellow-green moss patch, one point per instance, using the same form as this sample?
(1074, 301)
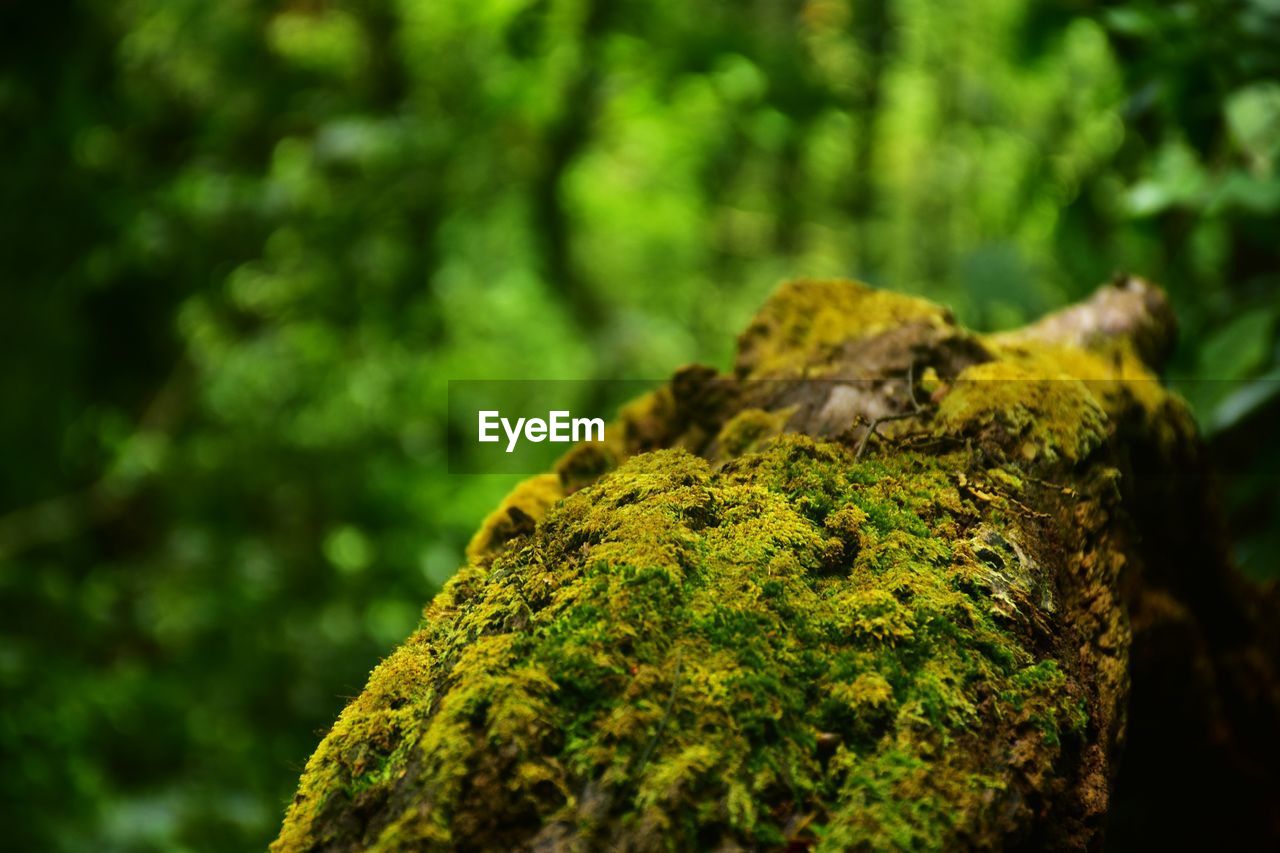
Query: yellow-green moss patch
(695, 655)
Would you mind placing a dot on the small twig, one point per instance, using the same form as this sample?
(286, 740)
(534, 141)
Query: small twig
(884, 419)
(911, 386)
(916, 409)
(919, 440)
(1058, 487)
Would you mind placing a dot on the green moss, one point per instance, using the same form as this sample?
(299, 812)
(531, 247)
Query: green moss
(516, 515)
(586, 463)
(1039, 402)
(1027, 407)
(805, 320)
(672, 652)
(773, 643)
(750, 430)
(1030, 693)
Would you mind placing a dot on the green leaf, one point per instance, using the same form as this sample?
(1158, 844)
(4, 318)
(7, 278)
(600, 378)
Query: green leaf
(1253, 114)
(1245, 400)
(1177, 178)
(1237, 349)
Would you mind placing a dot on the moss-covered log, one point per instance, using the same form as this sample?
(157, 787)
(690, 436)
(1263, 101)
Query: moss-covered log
(890, 584)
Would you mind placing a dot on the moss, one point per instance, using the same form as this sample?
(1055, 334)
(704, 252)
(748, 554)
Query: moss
(515, 516)
(1025, 407)
(586, 463)
(805, 320)
(673, 642)
(649, 422)
(749, 430)
(1123, 388)
(773, 642)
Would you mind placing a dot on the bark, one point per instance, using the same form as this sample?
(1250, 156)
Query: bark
(887, 584)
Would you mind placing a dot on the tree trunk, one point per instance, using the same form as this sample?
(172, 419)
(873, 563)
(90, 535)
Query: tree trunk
(890, 584)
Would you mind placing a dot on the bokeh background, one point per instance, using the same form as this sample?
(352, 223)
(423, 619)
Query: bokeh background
(244, 245)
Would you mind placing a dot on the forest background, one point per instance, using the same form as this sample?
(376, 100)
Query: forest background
(244, 246)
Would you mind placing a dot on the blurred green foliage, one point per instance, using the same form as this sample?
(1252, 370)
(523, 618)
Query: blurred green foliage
(245, 245)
